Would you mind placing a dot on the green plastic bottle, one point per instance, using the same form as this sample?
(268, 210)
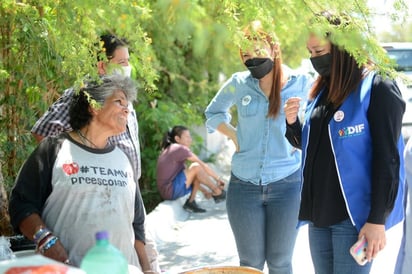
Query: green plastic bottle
(104, 258)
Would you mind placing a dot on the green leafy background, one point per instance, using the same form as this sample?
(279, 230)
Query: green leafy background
(180, 50)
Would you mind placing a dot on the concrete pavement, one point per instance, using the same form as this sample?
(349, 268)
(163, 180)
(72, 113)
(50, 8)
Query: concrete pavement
(190, 240)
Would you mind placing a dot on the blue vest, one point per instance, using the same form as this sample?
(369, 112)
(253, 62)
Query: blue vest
(352, 148)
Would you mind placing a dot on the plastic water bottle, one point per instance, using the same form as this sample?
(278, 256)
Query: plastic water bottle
(104, 258)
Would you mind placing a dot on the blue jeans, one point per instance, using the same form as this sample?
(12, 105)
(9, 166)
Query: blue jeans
(263, 219)
(329, 247)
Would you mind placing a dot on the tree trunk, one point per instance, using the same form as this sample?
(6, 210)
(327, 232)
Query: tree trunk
(5, 227)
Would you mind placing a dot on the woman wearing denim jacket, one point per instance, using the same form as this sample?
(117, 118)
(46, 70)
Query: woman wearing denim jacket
(263, 193)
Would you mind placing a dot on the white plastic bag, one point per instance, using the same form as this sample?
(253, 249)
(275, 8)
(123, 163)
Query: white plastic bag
(5, 251)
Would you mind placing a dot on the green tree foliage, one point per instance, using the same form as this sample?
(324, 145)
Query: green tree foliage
(401, 32)
(181, 51)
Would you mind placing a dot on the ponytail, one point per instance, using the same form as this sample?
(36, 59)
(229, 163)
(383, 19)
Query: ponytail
(169, 137)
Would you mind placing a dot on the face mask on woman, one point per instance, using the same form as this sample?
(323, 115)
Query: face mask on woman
(259, 67)
(124, 71)
(322, 64)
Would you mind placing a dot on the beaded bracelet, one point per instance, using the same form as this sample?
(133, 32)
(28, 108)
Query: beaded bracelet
(51, 241)
(44, 239)
(43, 242)
(41, 234)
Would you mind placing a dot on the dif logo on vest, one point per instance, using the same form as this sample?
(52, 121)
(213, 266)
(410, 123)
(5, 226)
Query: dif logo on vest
(351, 131)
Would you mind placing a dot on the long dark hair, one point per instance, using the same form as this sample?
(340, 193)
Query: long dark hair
(346, 73)
(170, 135)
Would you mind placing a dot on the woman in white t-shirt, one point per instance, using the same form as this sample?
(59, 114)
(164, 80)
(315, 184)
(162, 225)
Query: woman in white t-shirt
(78, 183)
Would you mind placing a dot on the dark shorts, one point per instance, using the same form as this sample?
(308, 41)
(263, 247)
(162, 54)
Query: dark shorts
(179, 186)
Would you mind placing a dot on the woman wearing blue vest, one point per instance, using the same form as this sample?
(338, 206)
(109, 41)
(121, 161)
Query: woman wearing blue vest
(351, 157)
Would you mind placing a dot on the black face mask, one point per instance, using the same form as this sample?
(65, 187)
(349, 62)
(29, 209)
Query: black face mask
(259, 67)
(322, 64)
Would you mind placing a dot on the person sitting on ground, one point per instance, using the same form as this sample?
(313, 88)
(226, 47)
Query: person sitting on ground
(175, 180)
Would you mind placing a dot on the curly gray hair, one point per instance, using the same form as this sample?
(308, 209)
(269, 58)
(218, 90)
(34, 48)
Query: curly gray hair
(94, 94)
(108, 84)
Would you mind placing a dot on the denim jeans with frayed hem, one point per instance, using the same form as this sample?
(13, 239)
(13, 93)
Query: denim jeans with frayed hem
(329, 247)
(263, 220)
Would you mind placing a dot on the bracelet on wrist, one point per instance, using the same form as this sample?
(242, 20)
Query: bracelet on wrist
(44, 237)
(41, 234)
(49, 242)
(42, 241)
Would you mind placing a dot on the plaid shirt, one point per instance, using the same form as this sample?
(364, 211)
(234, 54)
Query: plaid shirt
(56, 120)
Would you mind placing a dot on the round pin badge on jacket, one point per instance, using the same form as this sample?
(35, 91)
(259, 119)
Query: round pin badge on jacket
(338, 116)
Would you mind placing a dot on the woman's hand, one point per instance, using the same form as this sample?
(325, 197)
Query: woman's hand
(220, 183)
(291, 109)
(32, 225)
(375, 237)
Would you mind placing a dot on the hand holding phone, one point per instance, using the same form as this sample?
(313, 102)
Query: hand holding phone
(358, 251)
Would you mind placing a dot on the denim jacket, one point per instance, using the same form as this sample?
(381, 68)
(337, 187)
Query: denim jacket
(264, 154)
